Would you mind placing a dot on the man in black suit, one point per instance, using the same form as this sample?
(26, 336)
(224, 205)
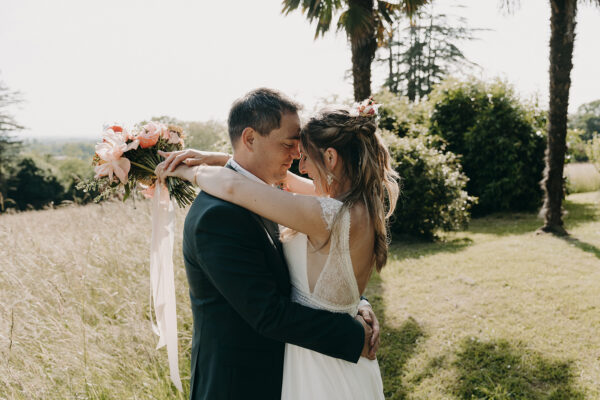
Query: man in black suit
(238, 278)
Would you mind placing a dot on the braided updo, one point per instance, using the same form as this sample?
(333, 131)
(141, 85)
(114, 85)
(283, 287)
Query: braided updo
(366, 163)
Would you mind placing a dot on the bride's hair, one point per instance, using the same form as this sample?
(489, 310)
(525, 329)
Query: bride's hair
(366, 162)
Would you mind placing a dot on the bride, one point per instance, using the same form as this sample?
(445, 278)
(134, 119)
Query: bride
(335, 234)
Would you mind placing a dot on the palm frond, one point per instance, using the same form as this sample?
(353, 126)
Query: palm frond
(320, 10)
(289, 6)
(356, 22)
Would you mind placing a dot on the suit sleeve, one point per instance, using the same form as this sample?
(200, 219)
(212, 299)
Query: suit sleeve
(230, 252)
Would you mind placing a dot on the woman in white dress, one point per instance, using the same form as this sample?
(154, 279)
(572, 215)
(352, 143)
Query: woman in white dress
(335, 235)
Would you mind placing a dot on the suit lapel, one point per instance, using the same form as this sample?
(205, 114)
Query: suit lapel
(269, 226)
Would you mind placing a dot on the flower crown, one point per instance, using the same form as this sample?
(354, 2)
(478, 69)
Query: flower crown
(366, 108)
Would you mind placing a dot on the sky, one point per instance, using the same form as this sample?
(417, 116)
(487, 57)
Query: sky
(80, 64)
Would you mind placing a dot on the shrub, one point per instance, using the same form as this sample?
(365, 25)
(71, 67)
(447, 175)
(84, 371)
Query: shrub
(33, 187)
(432, 188)
(400, 116)
(500, 141)
(70, 172)
(576, 146)
(593, 151)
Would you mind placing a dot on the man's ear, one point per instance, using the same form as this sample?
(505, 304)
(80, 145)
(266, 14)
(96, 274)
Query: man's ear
(247, 138)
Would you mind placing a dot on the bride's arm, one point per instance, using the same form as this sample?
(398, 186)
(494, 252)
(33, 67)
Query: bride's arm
(191, 157)
(300, 185)
(299, 212)
(296, 211)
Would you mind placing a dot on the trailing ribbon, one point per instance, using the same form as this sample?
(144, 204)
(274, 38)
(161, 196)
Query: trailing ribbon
(162, 279)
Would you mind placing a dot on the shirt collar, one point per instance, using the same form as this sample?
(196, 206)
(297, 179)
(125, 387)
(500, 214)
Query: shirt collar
(237, 167)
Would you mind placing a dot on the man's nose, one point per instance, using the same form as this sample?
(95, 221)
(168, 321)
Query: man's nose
(296, 152)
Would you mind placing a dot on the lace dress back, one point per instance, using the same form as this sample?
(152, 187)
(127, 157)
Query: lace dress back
(335, 288)
(306, 373)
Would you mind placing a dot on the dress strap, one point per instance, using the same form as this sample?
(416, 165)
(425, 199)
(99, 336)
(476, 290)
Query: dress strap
(329, 209)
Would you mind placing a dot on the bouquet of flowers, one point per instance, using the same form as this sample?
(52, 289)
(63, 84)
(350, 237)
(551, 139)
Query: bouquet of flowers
(126, 160)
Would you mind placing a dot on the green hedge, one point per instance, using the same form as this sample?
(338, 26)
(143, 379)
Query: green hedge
(432, 188)
(500, 140)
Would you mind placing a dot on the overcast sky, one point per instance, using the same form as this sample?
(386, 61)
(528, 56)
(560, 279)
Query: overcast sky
(82, 63)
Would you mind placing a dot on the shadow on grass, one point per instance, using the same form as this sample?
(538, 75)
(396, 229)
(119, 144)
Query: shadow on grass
(587, 247)
(500, 371)
(405, 249)
(398, 345)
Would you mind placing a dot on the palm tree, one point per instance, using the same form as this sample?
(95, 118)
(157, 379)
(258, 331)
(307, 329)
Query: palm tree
(562, 38)
(365, 23)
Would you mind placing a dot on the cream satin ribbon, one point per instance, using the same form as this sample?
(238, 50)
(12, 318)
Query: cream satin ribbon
(162, 279)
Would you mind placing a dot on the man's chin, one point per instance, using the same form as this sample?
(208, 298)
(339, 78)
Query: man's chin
(280, 176)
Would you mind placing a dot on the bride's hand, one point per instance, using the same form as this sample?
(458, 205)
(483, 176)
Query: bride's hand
(193, 157)
(183, 171)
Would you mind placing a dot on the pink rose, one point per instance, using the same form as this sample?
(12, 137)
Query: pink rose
(150, 134)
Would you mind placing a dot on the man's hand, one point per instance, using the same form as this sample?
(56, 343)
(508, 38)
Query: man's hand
(371, 319)
(191, 157)
(368, 334)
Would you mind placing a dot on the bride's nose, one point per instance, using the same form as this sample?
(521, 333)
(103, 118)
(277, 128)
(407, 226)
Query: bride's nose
(302, 165)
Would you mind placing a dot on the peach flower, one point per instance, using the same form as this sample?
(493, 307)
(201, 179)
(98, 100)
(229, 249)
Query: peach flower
(150, 134)
(110, 152)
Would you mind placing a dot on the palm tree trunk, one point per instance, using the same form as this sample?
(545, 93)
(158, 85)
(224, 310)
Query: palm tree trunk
(562, 38)
(363, 45)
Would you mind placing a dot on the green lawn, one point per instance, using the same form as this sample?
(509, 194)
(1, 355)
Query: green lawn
(494, 312)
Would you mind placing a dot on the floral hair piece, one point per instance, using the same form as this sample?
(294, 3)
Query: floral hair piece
(366, 108)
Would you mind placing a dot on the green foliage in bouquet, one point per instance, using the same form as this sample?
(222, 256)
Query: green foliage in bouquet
(143, 164)
(500, 141)
(432, 193)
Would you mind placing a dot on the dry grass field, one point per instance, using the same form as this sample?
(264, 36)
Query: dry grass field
(582, 177)
(494, 312)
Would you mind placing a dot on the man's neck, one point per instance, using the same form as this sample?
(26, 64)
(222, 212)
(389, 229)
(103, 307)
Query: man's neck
(247, 169)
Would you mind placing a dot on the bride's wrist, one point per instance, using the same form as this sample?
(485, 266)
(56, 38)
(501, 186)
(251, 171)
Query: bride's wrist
(196, 170)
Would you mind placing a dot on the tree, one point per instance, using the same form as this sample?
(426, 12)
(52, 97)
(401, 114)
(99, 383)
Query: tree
(33, 187)
(9, 146)
(365, 23)
(562, 39)
(587, 119)
(421, 53)
(210, 135)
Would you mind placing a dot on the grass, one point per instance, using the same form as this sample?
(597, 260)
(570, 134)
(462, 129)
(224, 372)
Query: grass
(502, 313)
(582, 177)
(494, 312)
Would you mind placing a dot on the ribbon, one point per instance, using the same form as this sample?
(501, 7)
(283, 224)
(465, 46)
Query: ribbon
(162, 279)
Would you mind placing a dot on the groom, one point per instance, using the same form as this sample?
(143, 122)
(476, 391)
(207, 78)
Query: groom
(238, 278)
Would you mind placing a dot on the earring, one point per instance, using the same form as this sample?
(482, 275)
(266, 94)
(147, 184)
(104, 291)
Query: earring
(329, 179)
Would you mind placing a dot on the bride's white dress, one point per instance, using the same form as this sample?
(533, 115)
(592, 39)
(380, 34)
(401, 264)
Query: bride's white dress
(308, 374)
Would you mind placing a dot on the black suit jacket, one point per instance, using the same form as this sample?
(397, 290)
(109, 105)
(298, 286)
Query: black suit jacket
(239, 290)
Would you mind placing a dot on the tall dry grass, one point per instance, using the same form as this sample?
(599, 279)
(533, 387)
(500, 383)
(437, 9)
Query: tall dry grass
(74, 308)
(74, 305)
(582, 177)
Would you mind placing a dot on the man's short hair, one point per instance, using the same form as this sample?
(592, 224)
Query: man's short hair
(261, 109)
